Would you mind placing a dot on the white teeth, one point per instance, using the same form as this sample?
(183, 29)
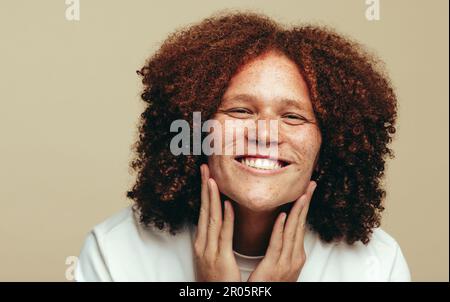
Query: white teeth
(262, 163)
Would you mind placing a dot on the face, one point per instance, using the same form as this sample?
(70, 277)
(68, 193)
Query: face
(268, 88)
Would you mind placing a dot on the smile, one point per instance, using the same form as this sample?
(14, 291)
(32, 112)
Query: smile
(261, 164)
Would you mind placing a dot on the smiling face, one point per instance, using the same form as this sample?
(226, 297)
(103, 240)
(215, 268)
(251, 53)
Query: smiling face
(268, 88)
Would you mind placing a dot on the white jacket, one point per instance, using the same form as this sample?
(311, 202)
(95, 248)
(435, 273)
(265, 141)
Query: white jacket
(121, 249)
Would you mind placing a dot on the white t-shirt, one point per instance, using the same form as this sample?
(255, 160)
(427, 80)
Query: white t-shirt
(121, 249)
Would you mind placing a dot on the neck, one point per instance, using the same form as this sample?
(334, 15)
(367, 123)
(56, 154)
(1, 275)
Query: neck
(252, 230)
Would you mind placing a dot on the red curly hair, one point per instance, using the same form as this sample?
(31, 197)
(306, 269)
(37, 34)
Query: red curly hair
(352, 98)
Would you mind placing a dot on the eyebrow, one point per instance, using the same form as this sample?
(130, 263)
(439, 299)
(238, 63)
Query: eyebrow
(248, 97)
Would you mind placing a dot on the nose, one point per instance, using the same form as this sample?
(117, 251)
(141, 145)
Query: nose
(266, 133)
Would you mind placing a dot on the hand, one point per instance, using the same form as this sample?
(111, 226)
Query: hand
(285, 255)
(213, 247)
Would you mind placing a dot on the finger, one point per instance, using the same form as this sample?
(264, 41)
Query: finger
(291, 229)
(301, 227)
(276, 239)
(202, 225)
(226, 236)
(215, 217)
(205, 177)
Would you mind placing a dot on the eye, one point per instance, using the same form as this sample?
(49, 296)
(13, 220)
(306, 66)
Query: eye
(294, 119)
(239, 112)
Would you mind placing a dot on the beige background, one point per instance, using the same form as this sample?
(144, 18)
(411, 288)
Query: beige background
(69, 102)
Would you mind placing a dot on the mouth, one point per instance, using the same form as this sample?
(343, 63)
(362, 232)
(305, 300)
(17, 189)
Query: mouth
(262, 164)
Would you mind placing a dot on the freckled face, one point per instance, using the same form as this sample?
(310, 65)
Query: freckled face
(268, 88)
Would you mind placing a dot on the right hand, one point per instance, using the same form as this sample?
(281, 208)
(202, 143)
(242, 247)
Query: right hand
(213, 247)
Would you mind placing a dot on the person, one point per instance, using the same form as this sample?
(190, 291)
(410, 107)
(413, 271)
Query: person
(312, 213)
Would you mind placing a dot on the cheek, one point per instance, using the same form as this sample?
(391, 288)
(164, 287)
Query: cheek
(234, 140)
(214, 165)
(228, 132)
(221, 170)
(307, 144)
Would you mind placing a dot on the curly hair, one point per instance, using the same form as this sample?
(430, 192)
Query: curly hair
(352, 99)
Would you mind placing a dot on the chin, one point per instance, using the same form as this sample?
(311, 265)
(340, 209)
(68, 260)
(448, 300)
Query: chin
(260, 202)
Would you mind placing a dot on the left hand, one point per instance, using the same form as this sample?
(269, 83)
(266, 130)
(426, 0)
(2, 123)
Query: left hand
(285, 254)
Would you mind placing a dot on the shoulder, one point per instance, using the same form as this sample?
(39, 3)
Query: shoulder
(381, 245)
(120, 224)
(93, 261)
(120, 248)
(382, 242)
(124, 230)
(382, 257)
(121, 219)
(390, 253)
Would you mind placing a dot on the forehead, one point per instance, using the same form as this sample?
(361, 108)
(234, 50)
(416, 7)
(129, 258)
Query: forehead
(269, 77)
